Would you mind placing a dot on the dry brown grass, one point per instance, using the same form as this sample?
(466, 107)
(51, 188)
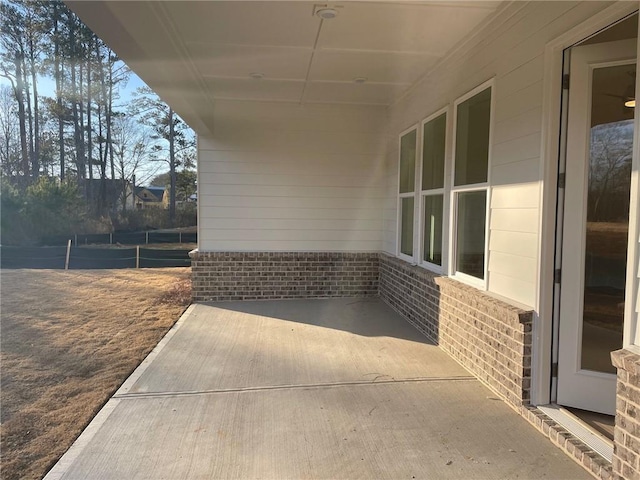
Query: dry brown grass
(69, 339)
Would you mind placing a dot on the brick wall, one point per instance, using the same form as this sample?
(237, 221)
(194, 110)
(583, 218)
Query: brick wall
(412, 292)
(489, 337)
(626, 450)
(219, 276)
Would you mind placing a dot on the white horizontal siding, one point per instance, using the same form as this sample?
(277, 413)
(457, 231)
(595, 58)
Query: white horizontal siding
(511, 50)
(512, 106)
(522, 125)
(284, 211)
(525, 195)
(273, 163)
(520, 78)
(353, 180)
(289, 177)
(286, 235)
(293, 244)
(519, 288)
(281, 205)
(292, 224)
(318, 193)
(514, 220)
(517, 149)
(273, 138)
(521, 244)
(523, 171)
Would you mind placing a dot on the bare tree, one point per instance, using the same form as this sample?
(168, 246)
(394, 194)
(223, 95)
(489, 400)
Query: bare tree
(132, 152)
(12, 67)
(9, 133)
(173, 136)
(609, 168)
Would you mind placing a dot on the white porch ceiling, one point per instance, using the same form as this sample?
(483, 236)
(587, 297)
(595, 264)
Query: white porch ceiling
(193, 53)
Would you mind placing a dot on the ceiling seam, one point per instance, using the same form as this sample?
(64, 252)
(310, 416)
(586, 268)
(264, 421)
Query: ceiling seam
(313, 52)
(300, 80)
(297, 102)
(310, 49)
(429, 3)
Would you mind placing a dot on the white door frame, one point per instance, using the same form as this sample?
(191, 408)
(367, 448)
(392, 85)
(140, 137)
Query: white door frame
(578, 387)
(552, 105)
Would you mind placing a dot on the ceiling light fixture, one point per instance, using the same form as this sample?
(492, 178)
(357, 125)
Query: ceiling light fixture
(359, 79)
(631, 103)
(256, 75)
(326, 13)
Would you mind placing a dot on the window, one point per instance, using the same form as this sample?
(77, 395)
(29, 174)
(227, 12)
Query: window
(470, 182)
(434, 131)
(406, 192)
(443, 207)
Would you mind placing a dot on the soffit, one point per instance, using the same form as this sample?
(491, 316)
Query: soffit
(193, 53)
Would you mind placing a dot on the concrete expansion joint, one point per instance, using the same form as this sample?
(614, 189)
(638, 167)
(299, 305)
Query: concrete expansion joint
(309, 386)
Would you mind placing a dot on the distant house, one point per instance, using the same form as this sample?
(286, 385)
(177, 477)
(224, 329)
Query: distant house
(116, 191)
(150, 197)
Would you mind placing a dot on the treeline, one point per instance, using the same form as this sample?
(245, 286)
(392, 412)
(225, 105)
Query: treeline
(62, 116)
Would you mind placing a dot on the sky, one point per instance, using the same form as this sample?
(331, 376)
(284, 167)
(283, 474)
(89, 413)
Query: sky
(46, 87)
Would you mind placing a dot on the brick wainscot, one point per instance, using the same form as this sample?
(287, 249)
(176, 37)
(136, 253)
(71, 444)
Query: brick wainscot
(220, 276)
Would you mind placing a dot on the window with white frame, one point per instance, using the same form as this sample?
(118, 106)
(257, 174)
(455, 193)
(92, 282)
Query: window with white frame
(434, 132)
(471, 183)
(406, 192)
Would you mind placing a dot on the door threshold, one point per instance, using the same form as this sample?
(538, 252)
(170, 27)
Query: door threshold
(596, 441)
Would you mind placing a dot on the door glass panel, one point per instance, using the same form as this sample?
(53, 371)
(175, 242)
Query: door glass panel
(610, 148)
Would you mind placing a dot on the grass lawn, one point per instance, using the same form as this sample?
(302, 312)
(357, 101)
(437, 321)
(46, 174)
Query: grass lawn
(69, 339)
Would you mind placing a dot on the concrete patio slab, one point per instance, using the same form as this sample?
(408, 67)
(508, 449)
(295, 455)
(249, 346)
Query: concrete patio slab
(338, 388)
(293, 342)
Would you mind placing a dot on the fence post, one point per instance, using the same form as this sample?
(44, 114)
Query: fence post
(137, 256)
(76, 240)
(66, 262)
(147, 236)
(111, 239)
(180, 237)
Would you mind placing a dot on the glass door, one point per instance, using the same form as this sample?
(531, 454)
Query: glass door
(596, 222)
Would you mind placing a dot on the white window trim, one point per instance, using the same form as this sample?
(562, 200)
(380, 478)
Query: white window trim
(483, 283)
(480, 283)
(440, 269)
(413, 194)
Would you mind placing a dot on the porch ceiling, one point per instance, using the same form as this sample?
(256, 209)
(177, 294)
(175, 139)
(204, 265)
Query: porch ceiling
(193, 53)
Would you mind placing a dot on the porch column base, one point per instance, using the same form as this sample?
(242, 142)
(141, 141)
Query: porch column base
(626, 448)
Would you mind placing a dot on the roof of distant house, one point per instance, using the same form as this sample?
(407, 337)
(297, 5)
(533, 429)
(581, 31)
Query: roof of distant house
(156, 193)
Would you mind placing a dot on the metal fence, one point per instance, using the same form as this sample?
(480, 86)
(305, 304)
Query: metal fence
(90, 258)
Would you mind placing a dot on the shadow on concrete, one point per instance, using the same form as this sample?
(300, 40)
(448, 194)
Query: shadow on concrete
(369, 317)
